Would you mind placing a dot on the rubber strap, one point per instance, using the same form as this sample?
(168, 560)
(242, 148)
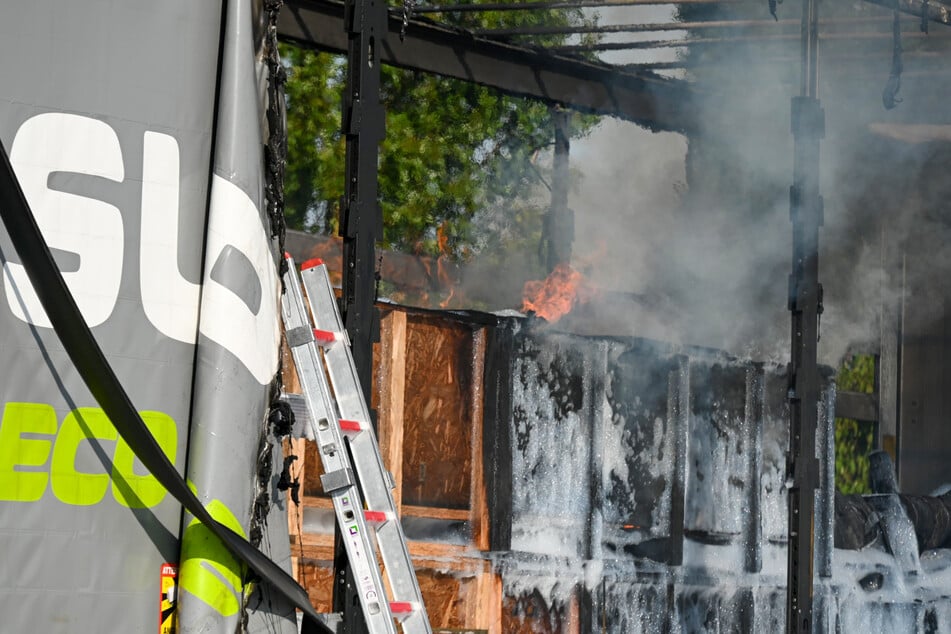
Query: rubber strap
(99, 377)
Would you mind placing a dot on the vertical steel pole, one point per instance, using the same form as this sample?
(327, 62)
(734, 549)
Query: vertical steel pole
(805, 304)
(361, 226)
(560, 224)
(362, 222)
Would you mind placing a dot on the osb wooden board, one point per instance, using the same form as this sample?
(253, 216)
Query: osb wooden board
(378, 378)
(311, 485)
(437, 416)
(452, 601)
(317, 578)
(443, 597)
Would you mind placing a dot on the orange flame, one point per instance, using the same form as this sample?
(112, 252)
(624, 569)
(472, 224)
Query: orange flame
(442, 273)
(556, 295)
(442, 239)
(439, 271)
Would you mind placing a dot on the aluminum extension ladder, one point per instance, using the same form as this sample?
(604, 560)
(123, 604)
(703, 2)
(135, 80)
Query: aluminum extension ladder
(354, 475)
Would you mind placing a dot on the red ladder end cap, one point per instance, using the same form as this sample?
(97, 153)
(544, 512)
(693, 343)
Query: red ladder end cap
(402, 608)
(351, 425)
(325, 336)
(377, 517)
(309, 264)
(287, 256)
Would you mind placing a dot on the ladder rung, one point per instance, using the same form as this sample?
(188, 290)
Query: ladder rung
(402, 609)
(351, 426)
(376, 517)
(356, 476)
(326, 337)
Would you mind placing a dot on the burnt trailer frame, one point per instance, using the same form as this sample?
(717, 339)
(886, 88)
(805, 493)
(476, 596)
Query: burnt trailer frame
(643, 526)
(638, 96)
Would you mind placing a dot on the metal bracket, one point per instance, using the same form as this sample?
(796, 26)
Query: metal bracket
(793, 291)
(336, 480)
(299, 336)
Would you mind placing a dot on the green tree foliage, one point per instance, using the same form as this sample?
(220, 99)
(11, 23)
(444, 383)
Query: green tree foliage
(459, 169)
(854, 439)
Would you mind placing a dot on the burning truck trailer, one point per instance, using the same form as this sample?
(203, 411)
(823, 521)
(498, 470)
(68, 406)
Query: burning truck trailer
(484, 514)
(581, 514)
(670, 460)
(559, 482)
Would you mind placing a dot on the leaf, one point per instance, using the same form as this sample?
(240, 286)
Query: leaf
(456, 156)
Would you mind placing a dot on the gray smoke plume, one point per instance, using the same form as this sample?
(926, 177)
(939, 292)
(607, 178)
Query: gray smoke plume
(693, 236)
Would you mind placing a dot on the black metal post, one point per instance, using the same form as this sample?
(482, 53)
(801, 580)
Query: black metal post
(805, 304)
(755, 420)
(678, 408)
(361, 226)
(362, 222)
(559, 224)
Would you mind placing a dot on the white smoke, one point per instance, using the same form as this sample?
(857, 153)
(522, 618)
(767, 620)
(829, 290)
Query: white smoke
(716, 272)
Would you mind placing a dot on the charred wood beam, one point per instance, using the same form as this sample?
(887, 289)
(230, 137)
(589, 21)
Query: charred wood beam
(496, 438)
(678, 408)
(858, 525)
(756, 412)
(825, 493)
(937, 11)
(595, 87)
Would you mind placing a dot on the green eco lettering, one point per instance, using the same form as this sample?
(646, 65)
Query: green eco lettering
(209, 571)
(24, 472)
(16, 451)
(69, 485)
(143, 491)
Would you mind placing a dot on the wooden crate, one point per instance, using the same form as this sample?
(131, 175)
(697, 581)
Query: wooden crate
(427, 393)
